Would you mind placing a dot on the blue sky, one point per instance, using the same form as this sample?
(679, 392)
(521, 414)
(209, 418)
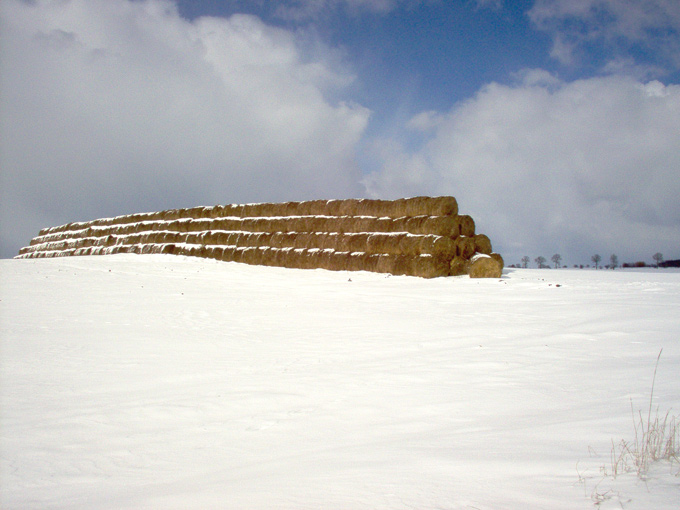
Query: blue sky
(556, 123)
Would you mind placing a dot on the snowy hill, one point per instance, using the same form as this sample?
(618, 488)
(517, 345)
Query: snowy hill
(168, 382)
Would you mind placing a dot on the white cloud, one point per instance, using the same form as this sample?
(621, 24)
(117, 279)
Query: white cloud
(113, 106)
(303, 10)
(544, 167)
(653, 26)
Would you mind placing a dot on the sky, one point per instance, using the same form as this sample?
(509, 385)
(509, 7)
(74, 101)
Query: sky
(555, 123)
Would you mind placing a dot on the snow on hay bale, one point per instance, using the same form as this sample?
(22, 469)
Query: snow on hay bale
(419, 236)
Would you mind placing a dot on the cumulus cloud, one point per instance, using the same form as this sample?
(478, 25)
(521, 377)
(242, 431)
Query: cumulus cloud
(572, 168)
(114, 106)
(647, 28)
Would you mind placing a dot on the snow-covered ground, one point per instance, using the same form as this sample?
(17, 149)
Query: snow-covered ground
(140, 382)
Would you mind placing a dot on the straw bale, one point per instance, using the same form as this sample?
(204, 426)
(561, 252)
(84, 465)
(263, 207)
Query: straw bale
(466, 225)
(441, 226)
(216, 211)
(387, 263)
(499, 259)
(416, 224)
(305, 259)
(275, 257)
(358, 242)
(318, 207)
(316, 240)
(249, 256)
(459, 266)
(378, 243)
(317, 224)
(484, 266)
(305, 208)
(288, 209)
(228, 253)
(301, 240)
(412, 245)
(356, 261)
(340, 260)
(428, 266)
(348, 207)
(403, 265)
(264, 239)
(465, 247)
(444, 247)
(170, 249)
(482, 244)
(278, 240)
(259, 224)
(323, 258)
(332, 208)
(382, 224)
(232, 238)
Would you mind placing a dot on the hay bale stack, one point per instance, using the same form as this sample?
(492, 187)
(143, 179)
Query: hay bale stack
(420, 236)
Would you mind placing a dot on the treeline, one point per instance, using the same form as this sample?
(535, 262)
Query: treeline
(542, 263)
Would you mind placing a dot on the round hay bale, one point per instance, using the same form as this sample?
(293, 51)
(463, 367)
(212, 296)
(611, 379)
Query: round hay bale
(251, 256)
(380, 243)
(465, 247)
(340, 261)
(228, 253)
(288, 209)
(317, 224)
(330, 241)
(301, 240)
(429, 266)
(499, 259)
(323, 259)
(277, 240)
(278, 256)
(342, 243)
(233, 238)
(348, 207)
(466, 225)
(443, 206)
(412, 245)
(357, 242)
(267, 256)
(441, 226)
(443, 246)
(482, 244)
(304, 208)
(416, 225)
(263, 239)
(396, 208)
(417, 206)
(332, 207)
(169, 249)
(357, 261)
(459, 266)
(484, 266)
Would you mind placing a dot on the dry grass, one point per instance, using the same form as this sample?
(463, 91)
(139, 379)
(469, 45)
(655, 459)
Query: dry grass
(657, 438)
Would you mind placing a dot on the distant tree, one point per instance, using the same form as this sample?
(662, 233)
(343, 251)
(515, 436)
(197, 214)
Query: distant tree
(658, 258)
(596, 258)
(613, 261)
(540, 261)
(525, 262)
(557, 259)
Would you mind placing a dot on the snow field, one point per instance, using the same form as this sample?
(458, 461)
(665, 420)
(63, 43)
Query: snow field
(160, 381)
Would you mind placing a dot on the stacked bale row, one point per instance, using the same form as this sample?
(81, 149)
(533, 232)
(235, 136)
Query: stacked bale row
(419, 236)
